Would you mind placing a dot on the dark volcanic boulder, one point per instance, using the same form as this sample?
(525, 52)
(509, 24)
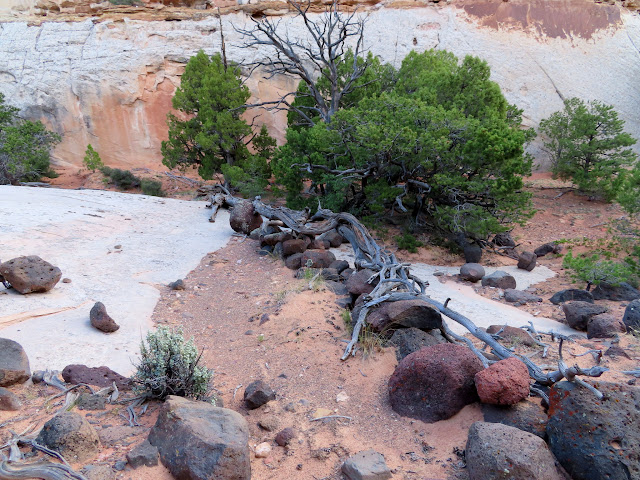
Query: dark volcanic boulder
(472, 253)
(296, 245)
(98, 376)
(357, 282)
(14, 364)
(504, 240)
(257, 394)
(631, 317)
(570, 295)
(511, 334)
(404, 313)
(101, 320)
(619, 293)
(512, 295)
(527, 415)
(499, 279)
(30, 274)
(504, 383)
(198, 441)
(579, 313)
(243, 218)
(527, 261)
(472, 272)
(434, 383)
(409, 340)
(333, 237)
(317, 259)
(547, 248)
(495, 452)
(595, 439)
(294, 262)
(605, 325)
(71, 435)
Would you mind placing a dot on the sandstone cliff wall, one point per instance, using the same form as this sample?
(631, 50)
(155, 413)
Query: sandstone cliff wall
(109, 81)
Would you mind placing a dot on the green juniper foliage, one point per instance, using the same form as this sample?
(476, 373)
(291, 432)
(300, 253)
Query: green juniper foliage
(437, 136)
(25, 147)
(210, 132)
(587, 145)
(92, 160)
(169, 366)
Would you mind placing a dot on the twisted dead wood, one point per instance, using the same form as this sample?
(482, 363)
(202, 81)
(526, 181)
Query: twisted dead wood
(395, 283)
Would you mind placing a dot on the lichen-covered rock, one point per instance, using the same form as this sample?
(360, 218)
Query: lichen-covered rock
(503, 383)
(198, 441)
(512, 295)
(495, 452)
(434, 383)
(595, 439)
(30, 274)
(71, 435)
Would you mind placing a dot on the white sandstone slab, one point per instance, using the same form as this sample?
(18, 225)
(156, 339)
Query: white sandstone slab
(77, 230)
(481, 310)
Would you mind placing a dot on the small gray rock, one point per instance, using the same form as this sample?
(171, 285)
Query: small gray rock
(409, 340)
(366, 465)
(177, 285)
(14, 364)
(87, 401)
(143, 454)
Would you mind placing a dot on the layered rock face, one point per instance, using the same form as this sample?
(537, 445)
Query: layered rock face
(109, 80)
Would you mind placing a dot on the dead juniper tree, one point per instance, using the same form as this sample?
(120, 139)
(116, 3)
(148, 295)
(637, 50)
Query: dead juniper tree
(319, 60)
(395, 282)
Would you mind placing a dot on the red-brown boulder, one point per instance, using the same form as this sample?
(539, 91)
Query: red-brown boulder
(503, 383)
(434, 383)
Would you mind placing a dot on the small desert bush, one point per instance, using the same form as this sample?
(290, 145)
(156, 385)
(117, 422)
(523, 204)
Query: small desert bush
(169, 366)
(92, 159)
(151, 187)
(121, 178)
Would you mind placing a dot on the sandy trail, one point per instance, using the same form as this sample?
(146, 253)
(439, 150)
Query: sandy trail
(159, 239)
(481, 310)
